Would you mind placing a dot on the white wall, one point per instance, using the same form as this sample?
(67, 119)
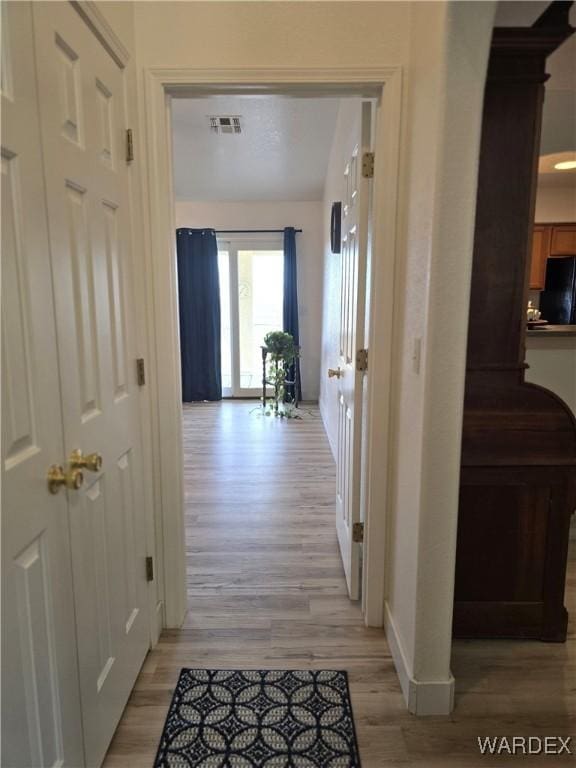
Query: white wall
(228, 34)
(552, 364)
(306, 216)
(334, 190)
(449, 49)
(555, 204)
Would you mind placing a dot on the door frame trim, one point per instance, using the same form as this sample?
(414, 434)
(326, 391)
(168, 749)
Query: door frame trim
(160, 85)
(238, 242)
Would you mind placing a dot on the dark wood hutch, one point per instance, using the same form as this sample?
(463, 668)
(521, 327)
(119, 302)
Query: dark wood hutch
(518, 475)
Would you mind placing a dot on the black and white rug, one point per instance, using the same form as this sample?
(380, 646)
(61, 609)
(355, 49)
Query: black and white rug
(259, 719)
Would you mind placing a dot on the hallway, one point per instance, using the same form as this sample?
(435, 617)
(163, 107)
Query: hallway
(266, 589)
(265, 581)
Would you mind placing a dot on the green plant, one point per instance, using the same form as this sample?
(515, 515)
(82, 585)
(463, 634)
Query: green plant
(281, 354)
(281, 346)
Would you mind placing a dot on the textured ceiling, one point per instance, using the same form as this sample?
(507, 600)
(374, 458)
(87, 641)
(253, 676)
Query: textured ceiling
(281, 154)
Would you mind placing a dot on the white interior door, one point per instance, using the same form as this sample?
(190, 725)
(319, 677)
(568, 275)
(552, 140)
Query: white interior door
(82, 99)
(40, 700)
(355, 210)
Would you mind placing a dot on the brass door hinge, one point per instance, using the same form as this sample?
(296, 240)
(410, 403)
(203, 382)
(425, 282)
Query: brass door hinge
(362, 360)
(358, 533)
(368, 165)
(140, 372)
(129, 145)
(149, 568)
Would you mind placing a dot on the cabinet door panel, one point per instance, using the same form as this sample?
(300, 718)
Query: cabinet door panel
(540, 250)
(563, 240)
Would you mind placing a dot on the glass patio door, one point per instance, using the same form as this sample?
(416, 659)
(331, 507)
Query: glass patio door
(251, 298)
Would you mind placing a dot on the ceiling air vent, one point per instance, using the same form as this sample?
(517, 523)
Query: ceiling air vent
(225, 124)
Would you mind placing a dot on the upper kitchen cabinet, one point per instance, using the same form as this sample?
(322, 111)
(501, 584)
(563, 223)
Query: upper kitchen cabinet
(563, 240)
(540, 250)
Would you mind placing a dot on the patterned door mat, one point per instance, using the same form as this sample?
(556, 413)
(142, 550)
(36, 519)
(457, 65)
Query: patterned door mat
(259, 719)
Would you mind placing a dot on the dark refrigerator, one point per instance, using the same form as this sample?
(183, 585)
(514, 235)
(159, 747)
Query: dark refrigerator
(558, 299)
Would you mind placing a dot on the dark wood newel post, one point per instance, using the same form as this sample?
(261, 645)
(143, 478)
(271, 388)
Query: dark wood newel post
(518, 478)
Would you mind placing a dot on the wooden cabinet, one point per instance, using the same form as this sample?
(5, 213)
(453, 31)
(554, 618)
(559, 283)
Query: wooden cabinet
(550, 241)
(563, 240)
(540, 251)
(518, 478)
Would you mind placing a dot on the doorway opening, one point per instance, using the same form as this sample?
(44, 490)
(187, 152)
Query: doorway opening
(273, 198)
(165, 90)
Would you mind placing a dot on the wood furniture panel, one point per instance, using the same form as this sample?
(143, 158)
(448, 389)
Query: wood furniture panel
(563, 240)
(540, 250)
(518, 479)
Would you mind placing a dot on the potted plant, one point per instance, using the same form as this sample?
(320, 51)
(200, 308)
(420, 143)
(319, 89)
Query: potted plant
(281, 352)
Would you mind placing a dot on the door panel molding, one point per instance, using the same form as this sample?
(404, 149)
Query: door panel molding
(160, 84)
(36, 631)
(98, 24)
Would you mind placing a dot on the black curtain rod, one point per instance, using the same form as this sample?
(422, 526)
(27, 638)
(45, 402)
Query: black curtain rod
(251, 231)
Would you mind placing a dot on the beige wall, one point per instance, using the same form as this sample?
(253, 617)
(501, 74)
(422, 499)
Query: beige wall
(120, 16)
(276, 215)
(305, 34)
(552, 364)
(445, 86)
(555, 204)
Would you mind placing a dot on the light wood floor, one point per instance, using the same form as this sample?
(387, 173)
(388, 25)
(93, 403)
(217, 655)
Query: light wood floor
(266, 589)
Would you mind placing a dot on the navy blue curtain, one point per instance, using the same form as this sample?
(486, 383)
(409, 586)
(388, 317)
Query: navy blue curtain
(199, 306)
(290, 308)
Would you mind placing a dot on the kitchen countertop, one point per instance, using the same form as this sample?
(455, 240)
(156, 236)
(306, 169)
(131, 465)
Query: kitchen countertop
(552, 330)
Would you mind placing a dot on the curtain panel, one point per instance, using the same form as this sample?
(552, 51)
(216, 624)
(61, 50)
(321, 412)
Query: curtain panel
(199, 309)
(290, 309)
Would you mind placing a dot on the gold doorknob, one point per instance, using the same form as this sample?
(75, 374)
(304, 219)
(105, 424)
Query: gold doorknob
(334, 372)
(92, 461)
(57, 478)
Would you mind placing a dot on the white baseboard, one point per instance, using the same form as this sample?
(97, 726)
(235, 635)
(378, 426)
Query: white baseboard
(422, 697)
(326, 430)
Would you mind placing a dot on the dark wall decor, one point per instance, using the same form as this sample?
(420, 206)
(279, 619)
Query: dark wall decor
(518, 476)
(336, 227)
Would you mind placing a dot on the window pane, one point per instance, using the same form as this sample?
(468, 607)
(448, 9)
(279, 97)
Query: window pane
(225, 332)
(260, 297)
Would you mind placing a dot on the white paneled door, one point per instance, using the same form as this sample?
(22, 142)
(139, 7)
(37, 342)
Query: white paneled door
(353, 260)
(40, 702)
(82, 103)
(71, 395)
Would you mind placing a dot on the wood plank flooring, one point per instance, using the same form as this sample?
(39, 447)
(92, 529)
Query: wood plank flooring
(266, 589)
